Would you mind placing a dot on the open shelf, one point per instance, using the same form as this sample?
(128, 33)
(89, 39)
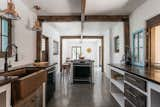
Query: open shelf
(119, 84)
(117, 79)
(119, 97)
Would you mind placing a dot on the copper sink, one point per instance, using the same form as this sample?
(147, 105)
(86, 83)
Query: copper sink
(27, 83)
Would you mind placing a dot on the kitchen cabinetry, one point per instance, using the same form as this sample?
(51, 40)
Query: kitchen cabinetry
(134, 96)
(33, 100)
(117, 85)
(132, 89)
(135, 87)
(82, 71)
(5, 95)
(50, 86)
(154, 95)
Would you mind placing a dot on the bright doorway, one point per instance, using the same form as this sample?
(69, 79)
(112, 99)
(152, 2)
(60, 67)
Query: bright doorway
(91, 47)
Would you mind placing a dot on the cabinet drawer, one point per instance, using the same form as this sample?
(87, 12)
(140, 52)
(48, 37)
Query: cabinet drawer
(128, 104)
(140, 83)
(134, 96)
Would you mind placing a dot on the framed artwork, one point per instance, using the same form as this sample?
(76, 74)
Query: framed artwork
(138, 55)
(55, 47)
(89, 50)
(116, 44)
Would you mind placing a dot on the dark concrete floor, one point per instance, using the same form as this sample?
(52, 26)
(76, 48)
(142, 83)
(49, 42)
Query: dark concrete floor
(82, 95)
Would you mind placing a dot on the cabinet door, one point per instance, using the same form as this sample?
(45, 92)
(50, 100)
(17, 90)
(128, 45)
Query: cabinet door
(134, 96)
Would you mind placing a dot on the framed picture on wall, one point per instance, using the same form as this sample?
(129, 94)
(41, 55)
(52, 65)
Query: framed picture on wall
(116, 44)
(55, 47)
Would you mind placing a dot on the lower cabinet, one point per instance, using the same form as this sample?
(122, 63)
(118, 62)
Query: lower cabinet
(130, 90)
(50, 86)
(127, 89)
(134, 96)
(5, 95)
(128, 104)
(34, 100)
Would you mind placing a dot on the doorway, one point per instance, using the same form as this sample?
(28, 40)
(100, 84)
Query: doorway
(86, 51)
(153, 38)
(44, 49)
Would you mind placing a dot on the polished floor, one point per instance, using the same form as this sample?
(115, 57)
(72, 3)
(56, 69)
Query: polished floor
(82, 95)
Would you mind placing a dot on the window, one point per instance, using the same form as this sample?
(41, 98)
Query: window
(155, 45)
(43, 44)
(139, 48)
(5, 35)
(76, 52)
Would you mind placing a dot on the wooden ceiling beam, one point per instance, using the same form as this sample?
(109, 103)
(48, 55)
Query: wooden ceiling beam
(94, 18)
(59, 18)
(83, 8)
(112, 18)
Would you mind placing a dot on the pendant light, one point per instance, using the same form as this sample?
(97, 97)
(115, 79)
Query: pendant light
(36, 26)
(10, 12)
(82, 30)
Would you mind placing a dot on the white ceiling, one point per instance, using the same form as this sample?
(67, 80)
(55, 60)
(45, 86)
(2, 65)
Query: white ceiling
(93, 7)
(56, 7)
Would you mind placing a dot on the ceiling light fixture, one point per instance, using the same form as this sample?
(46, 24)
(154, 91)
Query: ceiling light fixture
(82, 31)
(10, 12)
(37, 25)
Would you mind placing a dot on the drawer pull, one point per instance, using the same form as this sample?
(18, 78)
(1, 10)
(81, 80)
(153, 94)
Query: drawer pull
(131, 93)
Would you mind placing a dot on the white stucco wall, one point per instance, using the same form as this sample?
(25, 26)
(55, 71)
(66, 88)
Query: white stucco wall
(52, 34)
(24, 38)
(117, 30)
(139, 17)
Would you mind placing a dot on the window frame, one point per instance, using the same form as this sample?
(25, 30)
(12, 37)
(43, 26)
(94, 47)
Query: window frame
(2, 54)
(76, 47)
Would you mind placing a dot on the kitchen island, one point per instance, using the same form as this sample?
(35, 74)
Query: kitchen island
(82, 71)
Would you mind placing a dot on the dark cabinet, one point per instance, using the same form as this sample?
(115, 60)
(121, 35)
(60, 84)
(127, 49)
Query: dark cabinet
(50, 86)
(128, 104)
(81, 72)
(134, 96)
(138, 82)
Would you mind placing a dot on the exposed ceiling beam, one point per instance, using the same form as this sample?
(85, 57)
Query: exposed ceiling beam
(94, 18)
(59, 18)
(112, 18)
(83, 8)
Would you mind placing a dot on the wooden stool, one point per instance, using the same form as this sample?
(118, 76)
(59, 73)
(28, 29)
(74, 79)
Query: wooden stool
(66, 67)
